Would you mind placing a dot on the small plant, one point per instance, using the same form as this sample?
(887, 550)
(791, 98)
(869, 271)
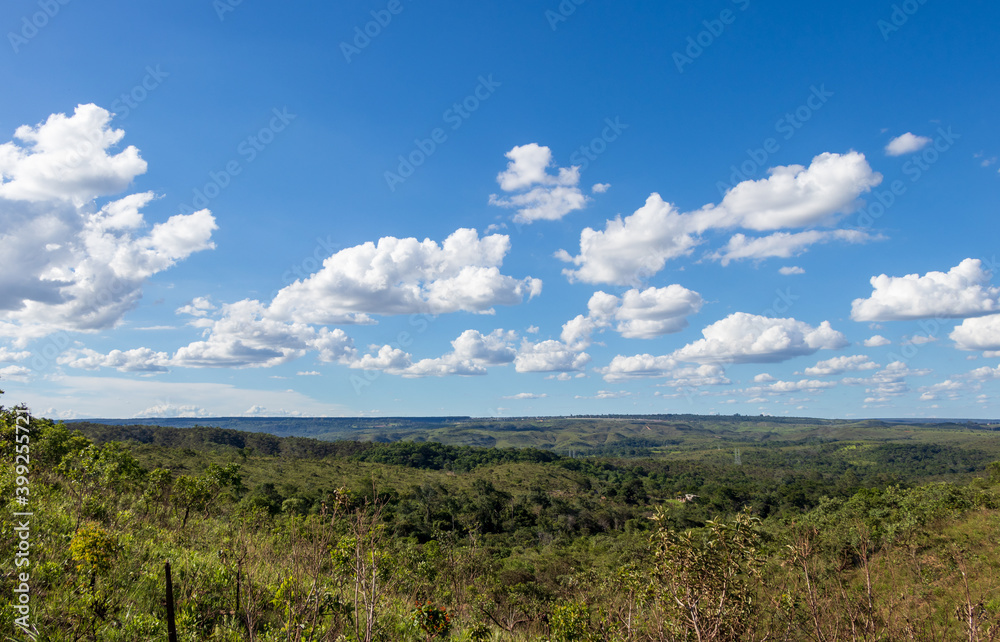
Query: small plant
(570, 623)
(434, 621)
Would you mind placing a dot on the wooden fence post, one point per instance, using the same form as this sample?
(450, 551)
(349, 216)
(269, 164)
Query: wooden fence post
(171, 626)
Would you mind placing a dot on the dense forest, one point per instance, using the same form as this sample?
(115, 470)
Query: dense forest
(743, 529)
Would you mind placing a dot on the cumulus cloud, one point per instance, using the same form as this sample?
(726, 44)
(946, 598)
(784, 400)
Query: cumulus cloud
(906, 144)
(786, 387)
(245, 336)
(654, 312)
(789, 270)
(876, 341)
(549, 356)
(171, 410)
(635, 247)
(137, 360)
(698, 376)
(472, 353)
(10, 355)
(388, 359)
(406, 276)
(606, 394)
(888, 383)
(840, 365)
(637, 314)
(631, 249)
(200, 306)
(784, 245)
(639, 366)
(14, 373)
(948, 389)
(982, 333)
(70, 263)
(748, 338)
(985, 373)
(542, 196)
(963, 291)
(798, 196)
(526, 395)
(66, 158)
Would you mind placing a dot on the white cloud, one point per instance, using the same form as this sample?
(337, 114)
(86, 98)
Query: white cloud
(876, 341)
(200, 306)
(527, 395)
(840, 365)
(985, 373)
(784, 245)
(549, 356)
(961, 292)
(797, 196)
(14, 373)
(8, 355)
(981, 333)
(131, 397)
(748, 338)
(246, 336)
(640, 366)
(71, 264)
(406, 276)
(607, 394)
(308, 373)
(137, 360)
(889, 382)
(698, 376)
(919, 339)
(639, 314)
(543, 196)
(66, 158)
(472, 353)
(387, 359)
(161, 411)
(600, 188)
(631, 249)
(654, 312)
(786, 387)
(638, 246)
(906, 144)
(763, 378)
(948, 389)
(789, 270)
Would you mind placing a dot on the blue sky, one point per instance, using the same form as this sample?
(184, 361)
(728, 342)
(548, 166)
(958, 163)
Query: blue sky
(399, 208)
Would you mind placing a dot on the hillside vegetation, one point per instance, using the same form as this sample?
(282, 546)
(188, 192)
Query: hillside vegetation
(619, 529)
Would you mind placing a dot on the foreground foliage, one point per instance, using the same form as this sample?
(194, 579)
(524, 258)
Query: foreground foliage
(426, 542)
